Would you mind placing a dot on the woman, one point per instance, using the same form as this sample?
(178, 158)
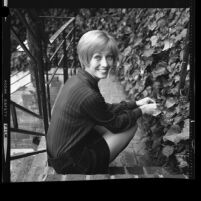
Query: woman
(85, 133)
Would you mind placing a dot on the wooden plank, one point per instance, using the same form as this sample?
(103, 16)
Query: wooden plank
(177, 176)
(100, 177)
(125, 159)
(75, 177)
(54, 177)
(128, 158)
(135, 170)
(121, 176)
(116, 170)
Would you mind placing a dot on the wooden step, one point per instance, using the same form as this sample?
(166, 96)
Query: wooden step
(135, 172)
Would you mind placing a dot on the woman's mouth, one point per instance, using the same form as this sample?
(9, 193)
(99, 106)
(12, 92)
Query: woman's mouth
(103, 70)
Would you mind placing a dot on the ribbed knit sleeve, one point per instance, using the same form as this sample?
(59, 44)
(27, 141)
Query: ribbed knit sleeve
(97, 110)
(123, 105)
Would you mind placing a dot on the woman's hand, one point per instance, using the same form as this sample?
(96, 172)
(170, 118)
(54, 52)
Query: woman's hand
(150, 109)
(145, 101)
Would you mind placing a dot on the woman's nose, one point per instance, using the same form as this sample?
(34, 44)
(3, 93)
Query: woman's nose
(104, 62)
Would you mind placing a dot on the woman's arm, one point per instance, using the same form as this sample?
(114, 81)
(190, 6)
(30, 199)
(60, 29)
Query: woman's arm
(95, 108)
(123, 105)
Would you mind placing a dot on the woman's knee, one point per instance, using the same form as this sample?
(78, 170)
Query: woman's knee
(101, 129)
(132, 130)
(118, 142)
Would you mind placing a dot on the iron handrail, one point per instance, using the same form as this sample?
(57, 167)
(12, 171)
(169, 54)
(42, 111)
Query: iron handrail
(53, 74)
(62, 44)
(55, 36)
(53, 55)
(27, 154)
(22, 131)
(14, 74)
(20, 78)
(22, 45)
(26, 110)
(55, 52)
(20, 87)
(63, 54)
(15, 105)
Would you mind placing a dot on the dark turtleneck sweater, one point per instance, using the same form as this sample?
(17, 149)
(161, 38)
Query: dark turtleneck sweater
(79, 107)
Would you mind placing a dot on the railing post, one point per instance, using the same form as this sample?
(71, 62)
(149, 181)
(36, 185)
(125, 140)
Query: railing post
(14, 115)
(32, 38)
(74, 46)
(40, 68)
(34, 20)
(48, 94)
(65, 64)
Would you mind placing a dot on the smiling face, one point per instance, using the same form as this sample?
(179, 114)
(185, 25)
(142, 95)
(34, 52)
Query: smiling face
(100, 64)
(97, 52)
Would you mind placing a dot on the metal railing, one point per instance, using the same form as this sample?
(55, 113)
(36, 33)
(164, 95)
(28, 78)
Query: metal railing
(15, 128)
(42, 85)
(62, 45)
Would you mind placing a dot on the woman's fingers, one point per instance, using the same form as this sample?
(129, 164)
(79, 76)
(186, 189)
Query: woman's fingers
(150, 100)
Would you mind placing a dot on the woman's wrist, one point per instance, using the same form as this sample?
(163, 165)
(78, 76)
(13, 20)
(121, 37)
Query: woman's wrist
(142, 109)
(138, 103)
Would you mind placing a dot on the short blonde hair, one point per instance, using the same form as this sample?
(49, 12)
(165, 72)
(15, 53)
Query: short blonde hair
(96, 41)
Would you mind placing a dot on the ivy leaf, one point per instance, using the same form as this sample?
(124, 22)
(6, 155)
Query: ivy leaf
(177, 119)
(128, 86)
(170, 102)
(174, 129)
(152, 26)
(167, 44)
(185, 131)
(156, 113)
(124, 10)
(170, 114)
(145, 93)
(171, 67)
(174, 90)
(162, 22)
(126, 68)
(167, 83)
(159, 70)
(168, 150)
(181, 35)
(181, 161)
(127, 51)
(181, 55)
(137, 42)
(176, 138)
(156, 143)
(159, 15)
(154, 40)
(177, 78)
(148, 53)
(188, 67)
(149, 61)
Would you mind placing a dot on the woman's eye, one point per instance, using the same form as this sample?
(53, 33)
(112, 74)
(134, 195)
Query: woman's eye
(109, 57)
(97, 57)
